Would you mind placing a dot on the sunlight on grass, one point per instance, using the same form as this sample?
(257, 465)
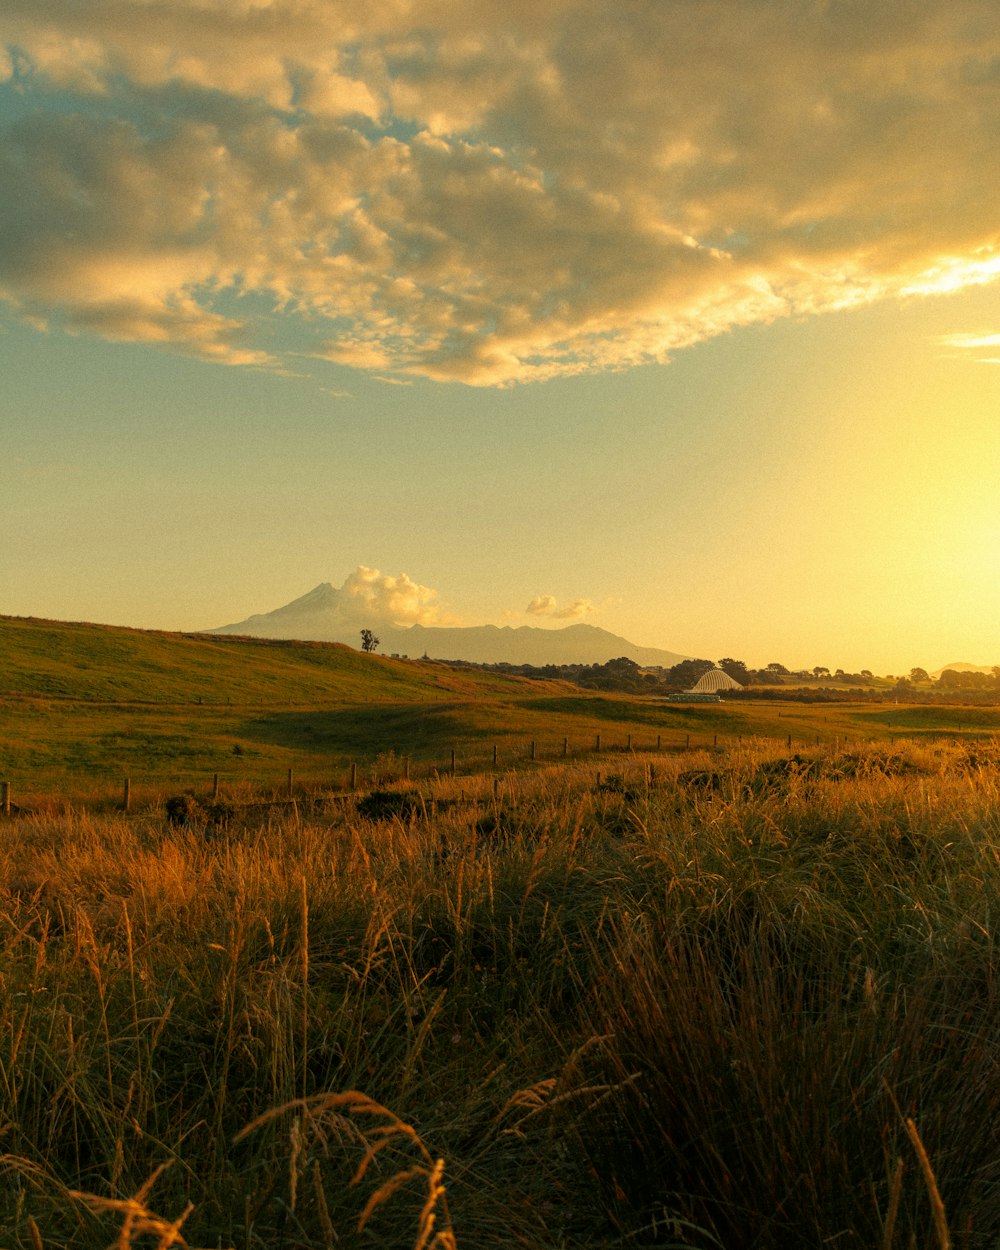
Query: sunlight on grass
(720, 998)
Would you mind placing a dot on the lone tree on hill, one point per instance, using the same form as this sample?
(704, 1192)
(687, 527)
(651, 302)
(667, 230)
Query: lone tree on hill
(368, 640)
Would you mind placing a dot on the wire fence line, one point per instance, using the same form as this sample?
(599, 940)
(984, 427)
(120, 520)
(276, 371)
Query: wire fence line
(392, 768)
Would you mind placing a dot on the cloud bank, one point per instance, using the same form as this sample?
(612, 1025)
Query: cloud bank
(485, 193)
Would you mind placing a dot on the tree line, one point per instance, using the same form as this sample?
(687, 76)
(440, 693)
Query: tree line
(623, 674)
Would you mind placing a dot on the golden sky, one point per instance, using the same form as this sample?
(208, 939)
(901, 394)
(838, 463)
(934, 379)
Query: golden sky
(677, 317)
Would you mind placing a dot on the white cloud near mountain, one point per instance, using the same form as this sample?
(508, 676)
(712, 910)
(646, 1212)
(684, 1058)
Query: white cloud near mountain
(489, 193)
(548, 605)
(374, 596)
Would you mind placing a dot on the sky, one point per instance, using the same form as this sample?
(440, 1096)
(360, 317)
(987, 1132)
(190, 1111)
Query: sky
(679, 317)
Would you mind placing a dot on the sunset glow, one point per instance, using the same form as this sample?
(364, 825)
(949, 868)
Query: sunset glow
(680, 320)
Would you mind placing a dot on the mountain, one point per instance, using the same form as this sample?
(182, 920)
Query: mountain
(326, 614)
(525, 644)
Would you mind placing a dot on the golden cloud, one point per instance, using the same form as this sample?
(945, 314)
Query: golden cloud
(490, 194)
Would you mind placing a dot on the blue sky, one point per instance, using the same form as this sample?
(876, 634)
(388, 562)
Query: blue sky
(683, 328)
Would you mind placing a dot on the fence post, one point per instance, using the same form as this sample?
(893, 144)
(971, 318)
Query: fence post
(127, 795)
(215, 785)
(715, 740)
(532, 748)
(354, 776)
(628, 745)
(494, 755)
(687, 742)
(789, 742)
(565, 746)
(597, 744)
(5, 797)
(406, 768)
(659, 739)
(453, 761)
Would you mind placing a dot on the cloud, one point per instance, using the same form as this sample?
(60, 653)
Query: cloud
(547, 605)
(985, 348)
(372, 594)
(489, 194)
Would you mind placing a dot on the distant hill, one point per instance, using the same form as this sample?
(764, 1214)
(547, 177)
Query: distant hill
(962, 667)
(325, 615)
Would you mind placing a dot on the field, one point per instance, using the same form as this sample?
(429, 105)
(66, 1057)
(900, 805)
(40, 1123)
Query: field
(83, 706)
(742, 999)
(731, 994)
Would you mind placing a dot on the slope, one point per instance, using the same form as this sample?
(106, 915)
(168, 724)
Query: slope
(62, 660)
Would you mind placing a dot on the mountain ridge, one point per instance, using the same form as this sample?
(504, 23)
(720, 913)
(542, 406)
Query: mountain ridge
(325, 614)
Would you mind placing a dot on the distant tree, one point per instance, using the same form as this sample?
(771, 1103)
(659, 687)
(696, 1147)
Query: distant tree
(684, 675)
(778, 670)
(619, 674)
(368, 640)
(867, 674)
(736, 669)
(821, 671)
(919, 674)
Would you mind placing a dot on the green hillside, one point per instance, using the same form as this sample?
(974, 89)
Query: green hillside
(82, 706)
(56, 659)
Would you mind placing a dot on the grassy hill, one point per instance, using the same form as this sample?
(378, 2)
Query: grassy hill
(82, 706)
(56, 659)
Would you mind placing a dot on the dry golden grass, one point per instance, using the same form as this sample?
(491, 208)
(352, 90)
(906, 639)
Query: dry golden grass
(740, 998)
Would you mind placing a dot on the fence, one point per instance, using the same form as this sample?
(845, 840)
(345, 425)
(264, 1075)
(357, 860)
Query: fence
(389, 767)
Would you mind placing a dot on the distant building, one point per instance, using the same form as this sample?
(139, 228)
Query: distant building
(713, 681)
(707, 688)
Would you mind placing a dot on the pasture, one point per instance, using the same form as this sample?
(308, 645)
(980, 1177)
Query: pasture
(84, 706)
(725, 978)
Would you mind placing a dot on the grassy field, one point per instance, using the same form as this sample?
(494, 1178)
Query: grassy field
(83, 706)
(739, 998)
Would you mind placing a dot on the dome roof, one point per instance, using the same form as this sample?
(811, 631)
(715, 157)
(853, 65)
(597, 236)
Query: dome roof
(715, 679)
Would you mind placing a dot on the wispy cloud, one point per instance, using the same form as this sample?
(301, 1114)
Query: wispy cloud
(489, 193)
(985, 348)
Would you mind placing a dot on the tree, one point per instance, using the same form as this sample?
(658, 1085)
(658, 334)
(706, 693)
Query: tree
(821, 671)
(687, 672)
(736, 669)
(919, 674)
(368, 640)
(777, 669)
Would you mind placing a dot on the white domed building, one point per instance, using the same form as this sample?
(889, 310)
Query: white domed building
(713, 681)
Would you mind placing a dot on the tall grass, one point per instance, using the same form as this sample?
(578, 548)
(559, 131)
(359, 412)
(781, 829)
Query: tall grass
(742, 999)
